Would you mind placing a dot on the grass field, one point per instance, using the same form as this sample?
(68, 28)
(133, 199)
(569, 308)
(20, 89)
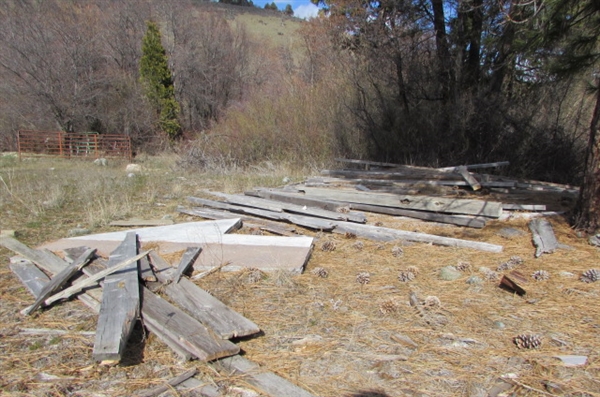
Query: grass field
(332, 336)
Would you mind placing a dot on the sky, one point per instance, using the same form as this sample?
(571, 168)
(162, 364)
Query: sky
(302, 8)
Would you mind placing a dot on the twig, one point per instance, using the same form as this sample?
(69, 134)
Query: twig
(210, 271)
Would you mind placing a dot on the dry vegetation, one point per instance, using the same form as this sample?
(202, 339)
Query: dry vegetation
(330, 335)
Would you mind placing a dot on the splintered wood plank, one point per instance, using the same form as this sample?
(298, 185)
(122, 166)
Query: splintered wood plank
(477, 222)
(30, 275)
(184, 329)
(543, 237)
(267, 204)
(388, 234)
(422, 203)
(266, 382)
(202, 306)
(470, 179)
(187, 259)
(43, 259)
(305, 221)
(120, 305)
(60, 279)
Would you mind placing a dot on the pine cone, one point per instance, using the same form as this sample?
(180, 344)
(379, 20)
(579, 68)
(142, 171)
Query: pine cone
(397, 251)
(525, 341)
(363, 278)
(320, 272)
(349, 235)
(343, 210)
(463, 266)
(413, 269)
(406, 276)
(389, 306)
(590, 276)
(359, 245)
(328, 246)
(513, 262)
(489, 274)
(432, 302)
(254, 275)
(540, 275)
(378, 223)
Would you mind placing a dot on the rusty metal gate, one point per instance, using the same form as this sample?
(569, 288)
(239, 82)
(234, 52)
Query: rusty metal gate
(72, 145)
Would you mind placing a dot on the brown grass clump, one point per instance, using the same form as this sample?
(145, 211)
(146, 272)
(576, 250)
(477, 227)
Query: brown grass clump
(354, 336)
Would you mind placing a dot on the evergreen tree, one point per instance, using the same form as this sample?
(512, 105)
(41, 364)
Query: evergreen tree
(289, 11)
(158, 81)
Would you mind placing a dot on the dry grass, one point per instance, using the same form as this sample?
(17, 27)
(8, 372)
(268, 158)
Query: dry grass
(328, 335)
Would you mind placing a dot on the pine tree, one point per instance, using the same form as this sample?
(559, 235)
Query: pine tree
(288, 10)
(158, 81)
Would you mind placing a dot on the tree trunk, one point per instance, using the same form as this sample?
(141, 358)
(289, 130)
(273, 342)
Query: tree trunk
(443, 53)
(587, 212)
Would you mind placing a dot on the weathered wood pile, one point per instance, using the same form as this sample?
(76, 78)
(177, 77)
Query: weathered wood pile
(124, 288)
(331, 203)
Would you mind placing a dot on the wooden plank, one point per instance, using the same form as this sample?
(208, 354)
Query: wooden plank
(172, 382)
(423, 203)
(477, 166)
(91, 281)
(406, 173)
(267, 204)
(142, 222)
(266, 382)
(305, 221)
(202, 306)
(524, 207)
(120, 306)
(402, 183)
(30, 275)
(305, 201)
(543, 237)
(470, 179)
(248, 221)
(181, 327)
(187, 259)
(477, 222)
(59, 280)
(368, 163)
(387, 234)
(93, 297)
(146, 272)
(50, 263)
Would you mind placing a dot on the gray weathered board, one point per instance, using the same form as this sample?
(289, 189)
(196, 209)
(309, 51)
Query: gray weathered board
(44, 259)
(30, 275)
(423, 203)
(301, 220)
(468, 177)
(279, 206)
(221, 319)
(187, 259)
(120, 305)
(60, 279)
(266, 382)
(543, 237)
(388, 234)
(184, 329)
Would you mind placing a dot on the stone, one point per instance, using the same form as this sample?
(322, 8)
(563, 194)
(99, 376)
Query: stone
(101, 162)
(510, 232)
(474, 280)
(499, 325)
(449, 273)
(133, 168)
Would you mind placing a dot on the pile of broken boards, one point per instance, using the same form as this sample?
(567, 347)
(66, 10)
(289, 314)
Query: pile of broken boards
(123, 288)
(331, 203)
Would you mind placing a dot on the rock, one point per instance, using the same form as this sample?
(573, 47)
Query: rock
(595, 240)
(573, 361)
(133, 168)
(130, 175)
(474, 280)
(499, 325)
(449, 273)
(78, 231)
(101, 162)
(566, 274)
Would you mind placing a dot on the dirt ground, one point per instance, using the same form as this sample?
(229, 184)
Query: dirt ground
(336, 337)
